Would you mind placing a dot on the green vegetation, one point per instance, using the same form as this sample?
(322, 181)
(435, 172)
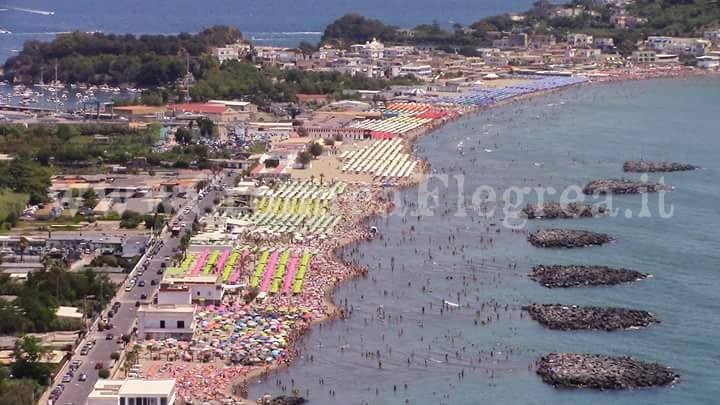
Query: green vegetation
(75, 145)
(130, 219)
(107, 260)
(146, 60)
(39, 297)
(17, 391)
(262, 86)
(11, 207)
(29, 364)
(669, 17)
(25, 176)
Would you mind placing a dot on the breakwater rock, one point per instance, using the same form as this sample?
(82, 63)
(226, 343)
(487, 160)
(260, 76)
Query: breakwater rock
(623, 186)
(647, 166)
(575, 370)
(559, 276)
(567, 238)
(559, 210)
(563, 317)
(286, 400)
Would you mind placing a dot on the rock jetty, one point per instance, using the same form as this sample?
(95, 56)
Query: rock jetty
(648, 166)
(284, 400)
(555, 210)
(623, 186)
(567, 238)
(565, 276)
(564, 317)
(575, 370)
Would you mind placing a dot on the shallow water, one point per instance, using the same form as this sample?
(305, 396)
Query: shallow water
(574, 136)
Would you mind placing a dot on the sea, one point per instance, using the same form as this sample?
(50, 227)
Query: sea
(265, 22)
(393, 349)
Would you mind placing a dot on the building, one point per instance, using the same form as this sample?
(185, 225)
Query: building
(678, 45)
(140, 113)
(369, 50)
(419, 71)
(579, 40)
(213, 111)
(162, 321)
(642, 57)
(708, 62)
(226, 53)
(267, 129)
(542, 41)
(133, 392)
(712, 36)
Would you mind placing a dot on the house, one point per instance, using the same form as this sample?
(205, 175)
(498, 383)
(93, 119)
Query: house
(226, 53)
(542, 41)
(162, 321)
(133, 392)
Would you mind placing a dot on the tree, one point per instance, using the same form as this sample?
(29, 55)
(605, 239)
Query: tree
(104, 373)
(29, 354)
(315, 149)
(303, 158)
(24, 243)
(90, 198)
(183, 136)
(307, 49)
(206, 127)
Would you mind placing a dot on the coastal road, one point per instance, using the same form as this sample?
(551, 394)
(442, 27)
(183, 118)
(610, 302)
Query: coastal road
(76, 392)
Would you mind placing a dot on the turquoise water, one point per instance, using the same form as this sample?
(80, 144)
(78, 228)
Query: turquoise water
(574, 136)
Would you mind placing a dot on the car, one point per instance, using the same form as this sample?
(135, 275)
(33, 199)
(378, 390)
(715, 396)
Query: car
(137, 304)
(163, 265)
(67, 378)
(99, 365)
(82, 377)
(120, 340)
(84, 351)
(153, 282)
(129, 287)
(143, 296)
(111, 313)
(141, 283)
(160, 271)
(109, 336)
(75, 364)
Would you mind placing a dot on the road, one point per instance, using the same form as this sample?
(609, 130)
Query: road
(76, 392)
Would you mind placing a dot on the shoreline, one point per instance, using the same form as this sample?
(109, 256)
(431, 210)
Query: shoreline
(359, 226)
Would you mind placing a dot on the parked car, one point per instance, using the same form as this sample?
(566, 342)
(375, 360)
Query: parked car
(109, 336)
(82, 377)
(141, 283)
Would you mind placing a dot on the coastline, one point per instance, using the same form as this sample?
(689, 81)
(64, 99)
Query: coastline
(366, 221)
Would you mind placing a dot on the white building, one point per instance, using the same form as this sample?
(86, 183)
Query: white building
(133, 392)
(420, 71)
(369, 50)
(166, 321)
(226, 53)
(677, 45)
(708, 62)
(268, 129)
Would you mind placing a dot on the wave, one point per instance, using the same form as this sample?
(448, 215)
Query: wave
(41, 33)
(285, 33)
(32, 11)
